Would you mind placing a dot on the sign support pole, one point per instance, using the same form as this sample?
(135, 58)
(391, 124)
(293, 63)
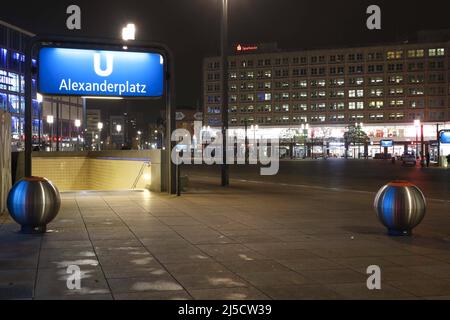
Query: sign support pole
(28, 109)
(170, 126)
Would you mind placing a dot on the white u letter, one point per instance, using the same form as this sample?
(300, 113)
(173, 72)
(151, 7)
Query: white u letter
(109, 65)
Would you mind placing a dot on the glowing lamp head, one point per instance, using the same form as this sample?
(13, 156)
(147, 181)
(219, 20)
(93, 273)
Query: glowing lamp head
(77, 123)
(50, 119)
(129, 32)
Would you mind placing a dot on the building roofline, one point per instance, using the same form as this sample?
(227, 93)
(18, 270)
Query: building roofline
(329, 47)
(13, 27)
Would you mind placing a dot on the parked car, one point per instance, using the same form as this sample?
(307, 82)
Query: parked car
(409, 159)
(382, 156)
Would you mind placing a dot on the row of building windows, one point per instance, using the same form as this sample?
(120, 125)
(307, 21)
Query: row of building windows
(303, 72)
(354, 105)
(324, 94)
(337, 58)
(335, 82)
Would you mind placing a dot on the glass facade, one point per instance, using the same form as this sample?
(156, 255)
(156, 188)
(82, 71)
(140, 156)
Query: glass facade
(12, 83)
(62, 134)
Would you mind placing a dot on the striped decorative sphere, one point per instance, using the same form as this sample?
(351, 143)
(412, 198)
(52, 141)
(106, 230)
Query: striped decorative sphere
(400, 206)
(34, 202)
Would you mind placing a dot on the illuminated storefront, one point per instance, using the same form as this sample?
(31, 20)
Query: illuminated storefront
(13, 41)
(329, 140)
(12, 83)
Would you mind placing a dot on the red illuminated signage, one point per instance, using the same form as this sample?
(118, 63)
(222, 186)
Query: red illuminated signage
(242, 48)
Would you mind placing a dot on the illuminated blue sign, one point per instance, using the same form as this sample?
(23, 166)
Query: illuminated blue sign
(81, 72)
(444, 137)
(387, 143)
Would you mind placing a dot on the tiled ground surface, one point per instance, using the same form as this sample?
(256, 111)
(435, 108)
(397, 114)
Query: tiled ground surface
(248, 242)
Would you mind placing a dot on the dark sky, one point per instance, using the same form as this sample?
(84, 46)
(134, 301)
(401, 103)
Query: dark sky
(191, 27)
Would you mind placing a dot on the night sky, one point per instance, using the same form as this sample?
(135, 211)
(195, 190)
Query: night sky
(191, 28)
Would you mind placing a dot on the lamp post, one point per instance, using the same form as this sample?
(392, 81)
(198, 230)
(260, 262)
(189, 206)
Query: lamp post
(305, 127)
(361, 126)
(417, 125)
(139, 139)
(224, 56)
(118, 129)
(39, 99)
(255, 128)
(100, 128)
(78, 125)
(246, 140)
(50, 122)
(254, 141)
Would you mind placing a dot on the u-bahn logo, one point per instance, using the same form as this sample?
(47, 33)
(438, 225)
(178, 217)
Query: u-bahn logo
(109, 64)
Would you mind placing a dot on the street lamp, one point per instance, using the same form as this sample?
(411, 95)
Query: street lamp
(360, 126)
(224, 63)
(417, 124)
(118, 128)
(255, 143)
(78, 125)
(50, 122)
(129, 32)
(305, 128)
(100, 128)
(39, 99)
(139, 140)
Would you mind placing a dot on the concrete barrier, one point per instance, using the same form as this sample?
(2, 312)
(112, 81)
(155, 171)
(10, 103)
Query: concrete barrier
(5, 158)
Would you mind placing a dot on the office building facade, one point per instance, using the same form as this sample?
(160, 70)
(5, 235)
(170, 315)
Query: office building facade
(383, 89)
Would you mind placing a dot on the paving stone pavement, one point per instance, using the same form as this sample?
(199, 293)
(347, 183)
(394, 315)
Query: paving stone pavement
(245, 242)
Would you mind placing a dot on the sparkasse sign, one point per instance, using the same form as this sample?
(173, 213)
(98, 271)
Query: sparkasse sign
(82, 72)
(246, 48)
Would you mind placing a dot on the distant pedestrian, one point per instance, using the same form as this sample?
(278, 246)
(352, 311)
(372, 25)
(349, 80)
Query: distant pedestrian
(427, 159)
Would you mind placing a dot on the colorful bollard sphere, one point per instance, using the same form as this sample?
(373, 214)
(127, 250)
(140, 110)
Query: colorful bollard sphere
(34, 202)
(400, 206)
